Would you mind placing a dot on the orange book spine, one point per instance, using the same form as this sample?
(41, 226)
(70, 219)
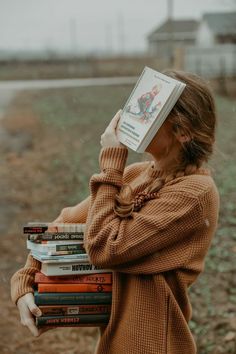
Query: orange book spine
(98, 278)
(73, 288)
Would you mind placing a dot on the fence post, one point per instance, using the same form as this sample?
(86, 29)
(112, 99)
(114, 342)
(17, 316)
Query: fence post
(222, 80)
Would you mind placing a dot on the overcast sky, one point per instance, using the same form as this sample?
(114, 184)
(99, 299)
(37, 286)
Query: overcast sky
(91, 25)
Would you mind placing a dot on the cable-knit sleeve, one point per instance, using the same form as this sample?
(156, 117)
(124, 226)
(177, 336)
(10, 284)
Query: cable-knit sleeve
(23, 279)
(162, 229)
(75, 214)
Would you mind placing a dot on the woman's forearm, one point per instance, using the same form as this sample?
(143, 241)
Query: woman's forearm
(23, 280)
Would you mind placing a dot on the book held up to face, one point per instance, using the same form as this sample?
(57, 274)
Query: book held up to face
(149, 104)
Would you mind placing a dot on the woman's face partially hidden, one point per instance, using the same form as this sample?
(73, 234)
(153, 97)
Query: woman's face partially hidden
(164, 145)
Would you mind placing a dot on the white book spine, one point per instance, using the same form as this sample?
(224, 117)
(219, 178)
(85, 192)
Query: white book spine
(49, 247)
(68, 269)
(62, 259)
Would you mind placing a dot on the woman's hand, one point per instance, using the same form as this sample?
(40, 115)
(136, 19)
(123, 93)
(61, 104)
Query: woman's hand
(28, 311)
(109, 137)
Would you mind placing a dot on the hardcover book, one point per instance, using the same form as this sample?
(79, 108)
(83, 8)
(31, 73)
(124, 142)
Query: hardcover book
(74, 288)
(149, 104)
(95, 278)
(61, 268)
(69, 310)
(64, 321)
(72, 298)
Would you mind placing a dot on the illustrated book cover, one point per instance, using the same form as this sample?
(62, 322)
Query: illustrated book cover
(149, 104)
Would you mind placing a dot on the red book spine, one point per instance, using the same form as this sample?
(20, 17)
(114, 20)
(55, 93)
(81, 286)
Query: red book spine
(73, 288)
(98, 278)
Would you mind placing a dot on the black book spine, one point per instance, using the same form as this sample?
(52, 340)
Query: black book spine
(71, 320)
(34, 230)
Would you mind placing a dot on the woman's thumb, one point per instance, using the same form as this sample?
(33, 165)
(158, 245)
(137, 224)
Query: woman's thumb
(34, 309)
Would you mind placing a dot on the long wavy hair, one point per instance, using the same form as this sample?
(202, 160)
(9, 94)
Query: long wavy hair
(194, 115)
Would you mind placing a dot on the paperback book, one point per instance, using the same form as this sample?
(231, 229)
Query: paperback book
(149, 104)
(54, 247)
(62, 258)
(43, 227)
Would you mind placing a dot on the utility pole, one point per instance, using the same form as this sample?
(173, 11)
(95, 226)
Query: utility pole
(108, 38)
(170, 32)
(121, 33)
(73, 37)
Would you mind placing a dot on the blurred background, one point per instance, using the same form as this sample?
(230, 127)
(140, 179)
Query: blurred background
(65, 69)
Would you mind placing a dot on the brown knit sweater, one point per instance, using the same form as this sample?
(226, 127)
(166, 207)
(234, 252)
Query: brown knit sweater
(156, 254)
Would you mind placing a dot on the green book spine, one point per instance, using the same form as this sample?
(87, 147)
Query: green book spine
(72, 298)
(71, 320)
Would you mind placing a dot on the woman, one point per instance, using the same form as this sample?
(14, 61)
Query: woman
(152, 223)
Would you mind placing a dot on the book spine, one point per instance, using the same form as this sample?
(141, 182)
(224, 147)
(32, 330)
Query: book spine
(68, 320)
(56, 236)
(72, 298)
(72, 247)
(33, 228)
(73, 288)
(76, 246)
(102, 278)
(78, 325)
(82, 257)
(65, 253)
(74, 310)
(53, 269)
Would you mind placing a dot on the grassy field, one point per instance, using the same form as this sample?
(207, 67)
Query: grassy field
(49, 150)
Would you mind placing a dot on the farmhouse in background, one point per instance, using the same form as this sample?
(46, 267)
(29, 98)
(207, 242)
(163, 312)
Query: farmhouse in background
(215, 50)
(217, 28)
(207, 47)
(170, 35)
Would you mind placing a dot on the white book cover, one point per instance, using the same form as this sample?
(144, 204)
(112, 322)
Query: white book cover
(62, 259)
(53, 246)
(151, 100)
(51, 269)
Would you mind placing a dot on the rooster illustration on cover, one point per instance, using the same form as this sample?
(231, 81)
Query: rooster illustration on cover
(144, 108)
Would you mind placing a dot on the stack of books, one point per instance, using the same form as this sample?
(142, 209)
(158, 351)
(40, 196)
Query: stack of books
(69, 290)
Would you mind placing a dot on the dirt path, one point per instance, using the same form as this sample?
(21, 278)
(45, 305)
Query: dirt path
(63, 83)
(22, 166)
(6, 95)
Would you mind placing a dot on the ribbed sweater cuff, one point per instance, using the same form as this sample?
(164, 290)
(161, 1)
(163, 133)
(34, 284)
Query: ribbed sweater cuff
(21, 284)
(113, 158)
(23, 280)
